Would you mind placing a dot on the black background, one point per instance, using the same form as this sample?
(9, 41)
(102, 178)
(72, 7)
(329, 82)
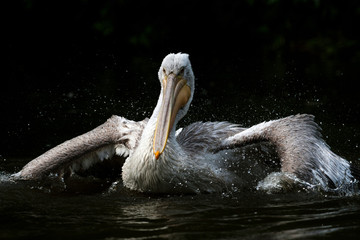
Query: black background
(69, 65)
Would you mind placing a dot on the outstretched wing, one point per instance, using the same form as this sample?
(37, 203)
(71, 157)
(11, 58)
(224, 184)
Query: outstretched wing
(116, 136)
(301, 149)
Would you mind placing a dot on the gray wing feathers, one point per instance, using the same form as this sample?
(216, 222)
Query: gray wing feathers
(84, 150)
(301, 149)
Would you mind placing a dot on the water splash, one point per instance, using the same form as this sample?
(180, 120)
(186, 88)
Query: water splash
(280, 182)
(5, 177)
(277, 182)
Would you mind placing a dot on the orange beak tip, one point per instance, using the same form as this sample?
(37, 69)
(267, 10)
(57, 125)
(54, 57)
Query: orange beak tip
(157, 155)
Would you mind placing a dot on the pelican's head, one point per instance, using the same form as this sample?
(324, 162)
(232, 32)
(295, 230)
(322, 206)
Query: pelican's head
(177, 88)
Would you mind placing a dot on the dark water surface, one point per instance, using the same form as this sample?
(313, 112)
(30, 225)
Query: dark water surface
(35, 213)
(44, 210)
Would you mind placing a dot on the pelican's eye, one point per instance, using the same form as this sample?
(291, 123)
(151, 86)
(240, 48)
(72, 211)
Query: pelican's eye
(181, 72)
(164, 71)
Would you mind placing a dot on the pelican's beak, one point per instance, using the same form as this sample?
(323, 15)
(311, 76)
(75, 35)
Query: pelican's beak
(176, 94)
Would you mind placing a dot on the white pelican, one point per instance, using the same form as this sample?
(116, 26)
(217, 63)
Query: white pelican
(159, 159)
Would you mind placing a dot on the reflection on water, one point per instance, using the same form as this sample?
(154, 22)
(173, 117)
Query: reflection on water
(32, 212)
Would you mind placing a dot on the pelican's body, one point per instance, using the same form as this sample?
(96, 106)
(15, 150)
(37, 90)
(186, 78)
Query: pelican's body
(160, 159)
(179, 169)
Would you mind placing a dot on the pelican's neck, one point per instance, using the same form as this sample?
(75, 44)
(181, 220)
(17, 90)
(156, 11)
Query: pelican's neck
(141, 171)
(156, 112)
(145, 146)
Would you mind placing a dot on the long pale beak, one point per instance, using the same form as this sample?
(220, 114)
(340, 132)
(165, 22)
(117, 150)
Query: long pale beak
(176, 94)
